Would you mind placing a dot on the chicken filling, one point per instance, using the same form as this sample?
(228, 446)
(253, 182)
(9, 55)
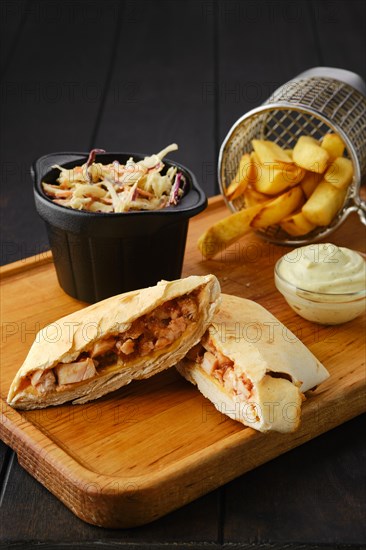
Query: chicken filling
(152, 332)
(215, 364)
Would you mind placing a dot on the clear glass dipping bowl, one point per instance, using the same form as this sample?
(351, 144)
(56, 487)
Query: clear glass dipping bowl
(321, 307)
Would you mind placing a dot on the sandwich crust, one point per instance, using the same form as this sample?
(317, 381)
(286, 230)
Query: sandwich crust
(272, 365)
(63, 341)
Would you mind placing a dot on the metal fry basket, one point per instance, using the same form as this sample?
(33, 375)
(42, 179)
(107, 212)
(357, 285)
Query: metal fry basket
(318, 101)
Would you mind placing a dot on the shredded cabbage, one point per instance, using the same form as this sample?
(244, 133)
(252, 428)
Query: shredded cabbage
(115, 187)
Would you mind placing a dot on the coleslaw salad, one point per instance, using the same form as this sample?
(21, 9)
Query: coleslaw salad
(118, 188)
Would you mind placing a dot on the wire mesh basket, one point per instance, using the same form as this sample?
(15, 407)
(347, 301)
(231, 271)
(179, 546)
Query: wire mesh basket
(317, 102)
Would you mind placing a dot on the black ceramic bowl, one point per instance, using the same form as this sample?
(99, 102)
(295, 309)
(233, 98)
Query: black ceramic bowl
(97, 254)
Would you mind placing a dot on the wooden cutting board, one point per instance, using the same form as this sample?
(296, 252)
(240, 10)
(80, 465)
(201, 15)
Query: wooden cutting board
(156, 445)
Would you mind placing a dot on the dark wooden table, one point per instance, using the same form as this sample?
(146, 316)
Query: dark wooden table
(135, 76)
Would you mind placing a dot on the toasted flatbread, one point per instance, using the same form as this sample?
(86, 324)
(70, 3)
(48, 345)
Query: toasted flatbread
(131, 336)
(252, 367)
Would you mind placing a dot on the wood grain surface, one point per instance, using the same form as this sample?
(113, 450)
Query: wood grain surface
(155, 445)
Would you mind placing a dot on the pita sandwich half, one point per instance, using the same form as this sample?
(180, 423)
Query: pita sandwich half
(131, 336)
(252, 368)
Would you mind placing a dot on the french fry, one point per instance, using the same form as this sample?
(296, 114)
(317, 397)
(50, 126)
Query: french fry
(296, 224)
(226, 231)
(246, 173)
(252, 196)
(309, 155)
(270, 152)
(324, 203)
(309, 183)
(340, 173)
(289, 152)
(279, 208)
(255, 158)
(334, 146)
(272, 180)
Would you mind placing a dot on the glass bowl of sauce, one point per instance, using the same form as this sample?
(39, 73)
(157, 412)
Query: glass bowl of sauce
(323, 283)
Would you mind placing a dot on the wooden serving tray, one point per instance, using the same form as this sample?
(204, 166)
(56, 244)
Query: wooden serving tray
(155, 445)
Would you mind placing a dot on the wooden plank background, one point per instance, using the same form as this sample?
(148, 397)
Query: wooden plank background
(136, 75)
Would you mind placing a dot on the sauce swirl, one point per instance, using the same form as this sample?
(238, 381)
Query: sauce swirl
(324, 268)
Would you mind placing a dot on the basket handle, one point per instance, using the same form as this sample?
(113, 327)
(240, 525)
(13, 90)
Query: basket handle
(358, 206)
(361, 209)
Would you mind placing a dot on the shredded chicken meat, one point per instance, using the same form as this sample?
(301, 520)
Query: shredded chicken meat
(154, 331)
(215, 364)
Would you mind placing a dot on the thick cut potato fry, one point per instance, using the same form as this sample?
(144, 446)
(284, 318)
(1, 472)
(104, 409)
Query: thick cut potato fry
(297, 225)
(272, 180)
(269, 152)
(225, 232)
(252, 196)
(289, 152)
(279, 208)
(246, 173)
(255, 158)
(334, 146)
(309, 155)
(340, 173)
(309, 183)
(324, 203)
